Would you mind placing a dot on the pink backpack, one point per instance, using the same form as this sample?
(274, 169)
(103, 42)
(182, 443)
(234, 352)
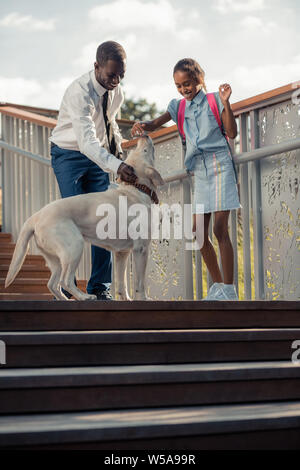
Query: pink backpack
(213, 106)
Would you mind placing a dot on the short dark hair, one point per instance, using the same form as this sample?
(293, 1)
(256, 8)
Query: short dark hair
(110, 50)
(192, 67)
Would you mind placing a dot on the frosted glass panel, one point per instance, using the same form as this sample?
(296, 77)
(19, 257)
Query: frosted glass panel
(280, 203)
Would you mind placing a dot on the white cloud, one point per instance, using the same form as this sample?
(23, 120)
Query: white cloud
(18, 90)
(121, 16)
(245, 81)
(159, 94)
(148, 32)
(238, 51)
(27, 22)
(230, 6)
(250, 81)
(49, 94)
(87, 55)
(31, 92)
(188, 34)
(253, 23)
(128, 14)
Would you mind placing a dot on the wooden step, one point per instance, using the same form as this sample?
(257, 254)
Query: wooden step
(145, 315)
(27, 271)
(8, 248)
(5, 258)
(5, 237)
(119, 387)
(25, 297)
(31, 286)
(90, 348)
(246, 426)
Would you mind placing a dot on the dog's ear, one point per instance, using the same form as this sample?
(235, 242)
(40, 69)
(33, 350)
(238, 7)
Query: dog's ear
(154, 176)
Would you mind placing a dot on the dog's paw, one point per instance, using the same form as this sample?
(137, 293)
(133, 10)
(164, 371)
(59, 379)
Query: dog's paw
(124, 297)
(142, 297)
(89, 297)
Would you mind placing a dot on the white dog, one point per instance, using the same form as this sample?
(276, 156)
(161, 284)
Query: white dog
(61, 227)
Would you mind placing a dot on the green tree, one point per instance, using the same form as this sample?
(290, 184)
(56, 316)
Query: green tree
(139, 110)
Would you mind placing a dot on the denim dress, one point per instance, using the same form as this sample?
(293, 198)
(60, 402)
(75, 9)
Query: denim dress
(208, 155)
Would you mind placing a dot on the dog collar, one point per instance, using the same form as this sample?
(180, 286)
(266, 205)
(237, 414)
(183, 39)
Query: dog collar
(145, 189)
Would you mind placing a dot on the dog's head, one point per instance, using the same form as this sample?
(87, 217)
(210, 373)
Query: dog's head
(142, 160)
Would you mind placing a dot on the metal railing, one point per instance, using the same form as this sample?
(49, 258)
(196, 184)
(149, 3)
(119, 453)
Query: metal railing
(28, 183)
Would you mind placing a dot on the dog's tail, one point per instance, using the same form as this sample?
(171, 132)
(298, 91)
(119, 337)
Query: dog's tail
(20, 250)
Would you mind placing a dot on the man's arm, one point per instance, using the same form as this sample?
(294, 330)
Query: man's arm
(80, 110)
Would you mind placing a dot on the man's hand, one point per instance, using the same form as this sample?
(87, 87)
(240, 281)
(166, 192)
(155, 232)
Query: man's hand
(126, 173)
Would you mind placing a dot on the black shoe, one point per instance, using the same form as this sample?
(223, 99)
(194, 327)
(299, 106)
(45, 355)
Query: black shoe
(103, 294)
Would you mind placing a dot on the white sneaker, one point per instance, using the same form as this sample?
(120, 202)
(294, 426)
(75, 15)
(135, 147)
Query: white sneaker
(230, 292)
(216, 292)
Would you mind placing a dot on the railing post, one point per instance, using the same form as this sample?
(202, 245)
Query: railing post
(6, 178)
(17, 177)
(39, 168)
(23, 175)
(234, 241)
(210, 234)
(28, 171)
(198, 275)
(257, 214)
(246, 209)
(2, 174)
(188, 254)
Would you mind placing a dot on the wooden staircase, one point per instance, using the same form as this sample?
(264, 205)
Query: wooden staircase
(31, 281)
(144, 375)
(149, 375)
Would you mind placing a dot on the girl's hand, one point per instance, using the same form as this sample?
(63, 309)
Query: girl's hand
(225, 92)
(138, 129)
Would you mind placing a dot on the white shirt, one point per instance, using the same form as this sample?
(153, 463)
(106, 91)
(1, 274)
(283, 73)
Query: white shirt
(81, 126)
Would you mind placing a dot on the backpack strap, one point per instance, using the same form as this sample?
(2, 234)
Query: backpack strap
(180, 118)
(214, 107)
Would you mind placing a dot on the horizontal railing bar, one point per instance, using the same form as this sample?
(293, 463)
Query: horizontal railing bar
(181, 174)
(27, 116)
(177, 176)
(25, 153)
(277, 99)
(267, 151)
(262, 98)
(246, 157)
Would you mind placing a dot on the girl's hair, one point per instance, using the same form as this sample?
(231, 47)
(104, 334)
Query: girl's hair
(192, 67)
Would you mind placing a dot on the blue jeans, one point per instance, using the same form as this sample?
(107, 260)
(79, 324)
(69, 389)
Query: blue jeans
(77, 174)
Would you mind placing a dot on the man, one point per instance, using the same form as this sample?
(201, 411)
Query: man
(86, 144)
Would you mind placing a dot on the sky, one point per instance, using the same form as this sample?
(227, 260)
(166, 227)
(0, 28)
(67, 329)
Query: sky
(44, 45)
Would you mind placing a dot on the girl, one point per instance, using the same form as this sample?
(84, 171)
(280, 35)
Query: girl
(208, 155)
